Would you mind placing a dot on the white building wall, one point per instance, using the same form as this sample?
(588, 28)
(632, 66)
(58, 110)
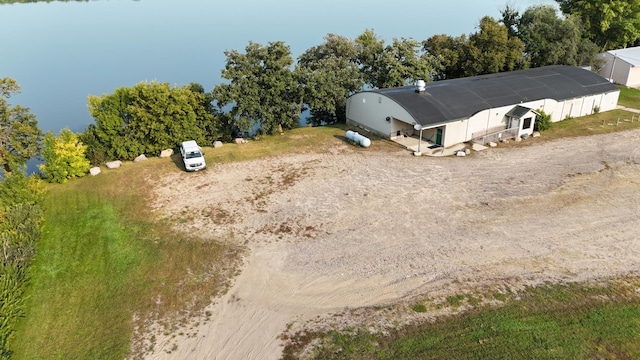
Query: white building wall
(454, 132)
(609, 101)
(585, 106)
(571, 108)
(634, 77)
(577, 107)
(371, 110)
(553, 108)
(492, 118)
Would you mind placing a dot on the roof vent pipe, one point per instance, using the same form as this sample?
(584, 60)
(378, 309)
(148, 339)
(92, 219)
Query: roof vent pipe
(420, 85)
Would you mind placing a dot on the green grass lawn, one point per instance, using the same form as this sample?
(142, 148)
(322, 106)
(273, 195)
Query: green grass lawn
(105, 264)
(103, 260)
(576, 321)
(304, 139)
(629, 97)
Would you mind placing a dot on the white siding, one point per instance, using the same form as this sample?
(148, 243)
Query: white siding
(609, 101)
(579, 106)
(370, 110)
(634, 77)
(455, 133)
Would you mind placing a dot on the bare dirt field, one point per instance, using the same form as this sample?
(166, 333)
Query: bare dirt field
(352, 228)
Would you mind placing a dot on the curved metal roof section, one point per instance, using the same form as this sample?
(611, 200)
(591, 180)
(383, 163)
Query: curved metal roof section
(455, 99)
(629, 55)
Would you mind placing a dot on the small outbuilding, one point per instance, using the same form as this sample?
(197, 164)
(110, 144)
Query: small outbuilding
(622, 66)
(482, 108)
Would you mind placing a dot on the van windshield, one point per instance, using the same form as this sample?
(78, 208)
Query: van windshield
(193, 154)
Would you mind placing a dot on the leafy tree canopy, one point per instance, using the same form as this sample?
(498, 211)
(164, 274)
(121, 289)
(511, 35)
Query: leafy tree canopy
(329, 73)
(487, 51)
(490, 50)
(144, 119)
(19, 132)
(262, 91)
(610, 24)
(450, 50)
(63, 156)
(551, 40)
(18, 188)
(402, 63)
(398, 64)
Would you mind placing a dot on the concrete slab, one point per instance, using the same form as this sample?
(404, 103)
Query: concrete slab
(478, 147)
(448, 151)
(411, 143)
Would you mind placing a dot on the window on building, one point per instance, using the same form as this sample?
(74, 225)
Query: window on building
(526, 124)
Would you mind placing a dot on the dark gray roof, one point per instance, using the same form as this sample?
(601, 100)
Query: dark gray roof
(456, 99)
(518, 111)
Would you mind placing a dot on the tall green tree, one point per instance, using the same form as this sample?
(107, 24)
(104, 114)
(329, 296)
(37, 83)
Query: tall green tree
(400, 63)
(262, 91)
(144, 119)
(370, 51)
(490, 50)
(19, 133)
(610, 24)
(552, 40)
(510, 18)
(213, 122)
(63, 157)
(329, 73)
(450, 50)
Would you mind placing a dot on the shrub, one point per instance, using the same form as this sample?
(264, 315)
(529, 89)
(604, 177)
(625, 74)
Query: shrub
(64, 157)
(543, 121)
(18, 188)
(20, 229)
(11, 305)
(19, 233)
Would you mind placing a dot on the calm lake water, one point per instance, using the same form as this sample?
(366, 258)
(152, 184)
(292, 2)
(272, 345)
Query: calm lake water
(60, 52)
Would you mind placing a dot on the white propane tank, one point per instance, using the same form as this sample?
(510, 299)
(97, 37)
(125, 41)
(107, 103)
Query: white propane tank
(359, 139)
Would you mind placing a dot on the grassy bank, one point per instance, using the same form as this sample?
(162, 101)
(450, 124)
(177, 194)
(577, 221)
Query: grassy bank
(629, 97)
(103, 262)
(105, 266)
(300, 140)
(576, 321)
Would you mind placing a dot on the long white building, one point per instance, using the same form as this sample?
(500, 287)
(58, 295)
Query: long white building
(481, 108)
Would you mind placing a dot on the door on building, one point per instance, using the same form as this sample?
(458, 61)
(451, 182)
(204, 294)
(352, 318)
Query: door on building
(514, 123)
(439, 136)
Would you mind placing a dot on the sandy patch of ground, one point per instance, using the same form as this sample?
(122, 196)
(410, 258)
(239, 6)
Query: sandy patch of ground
(352, 228)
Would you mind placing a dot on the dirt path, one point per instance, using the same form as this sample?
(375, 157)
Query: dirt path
(355, 228)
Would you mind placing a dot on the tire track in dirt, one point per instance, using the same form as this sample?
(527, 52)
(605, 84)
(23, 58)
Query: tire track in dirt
(354, 229)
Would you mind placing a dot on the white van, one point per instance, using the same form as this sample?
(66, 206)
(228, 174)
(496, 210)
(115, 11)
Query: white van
(192, 156)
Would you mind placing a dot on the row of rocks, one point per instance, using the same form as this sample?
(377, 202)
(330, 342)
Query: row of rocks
(117, 163)
(142, 157)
